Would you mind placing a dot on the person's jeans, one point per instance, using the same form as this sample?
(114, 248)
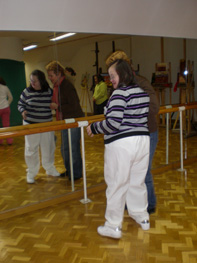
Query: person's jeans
(76, 152)
(149, 178)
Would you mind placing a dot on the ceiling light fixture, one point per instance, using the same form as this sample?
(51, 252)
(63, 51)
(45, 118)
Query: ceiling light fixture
(31, 46)
(62, 36)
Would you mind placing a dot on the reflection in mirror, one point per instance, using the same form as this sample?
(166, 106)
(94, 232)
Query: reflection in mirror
(86, 54)
(16, 192)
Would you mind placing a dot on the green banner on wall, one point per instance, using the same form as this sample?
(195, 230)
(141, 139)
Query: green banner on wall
(13, 72)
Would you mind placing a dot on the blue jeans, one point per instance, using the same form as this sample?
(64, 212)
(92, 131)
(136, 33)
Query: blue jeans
(149, 179)
(76, 152)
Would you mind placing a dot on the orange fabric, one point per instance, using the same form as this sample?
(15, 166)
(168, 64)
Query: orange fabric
(55, 98)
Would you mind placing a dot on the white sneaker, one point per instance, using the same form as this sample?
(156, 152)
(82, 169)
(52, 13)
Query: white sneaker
(53, 172)
(108, 231)
(30, 180)
(144, 223)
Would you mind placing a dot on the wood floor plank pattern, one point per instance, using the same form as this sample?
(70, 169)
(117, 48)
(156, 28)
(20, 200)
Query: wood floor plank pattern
(15, 192)
(67, 232)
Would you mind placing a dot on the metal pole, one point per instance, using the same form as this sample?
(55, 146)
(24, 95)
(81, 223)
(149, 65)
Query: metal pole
(71, 159)
(85, 200)
(167, 136)
(181, 138)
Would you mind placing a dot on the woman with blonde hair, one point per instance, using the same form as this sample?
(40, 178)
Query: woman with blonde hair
(67, 105)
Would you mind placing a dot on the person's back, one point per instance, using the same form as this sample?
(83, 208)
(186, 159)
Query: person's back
(5, 101)
(5, 96)
(128, 110)
(127, 143)
(154, 103)
(69, 101)
(152, 124)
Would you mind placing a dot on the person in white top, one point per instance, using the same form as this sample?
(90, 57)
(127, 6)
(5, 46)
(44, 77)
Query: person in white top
(5, 101)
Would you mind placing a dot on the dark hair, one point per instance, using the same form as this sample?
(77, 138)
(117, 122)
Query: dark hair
(72, 72)
(99, 77)
(124, 71)
(2, 81)
(42, 79)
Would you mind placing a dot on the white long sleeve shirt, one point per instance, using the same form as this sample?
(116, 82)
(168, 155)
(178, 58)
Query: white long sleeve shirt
(5, 97)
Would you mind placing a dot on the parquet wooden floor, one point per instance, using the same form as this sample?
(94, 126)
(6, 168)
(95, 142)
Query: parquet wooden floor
(15, 192)
(67, 232)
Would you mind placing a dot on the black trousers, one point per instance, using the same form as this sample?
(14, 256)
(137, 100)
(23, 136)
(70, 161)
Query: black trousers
(99, 108)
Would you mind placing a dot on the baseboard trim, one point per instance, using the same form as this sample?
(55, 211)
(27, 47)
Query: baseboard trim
(50, 202)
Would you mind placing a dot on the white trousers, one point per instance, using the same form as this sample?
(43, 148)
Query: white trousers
(125, 167)
(46, 143)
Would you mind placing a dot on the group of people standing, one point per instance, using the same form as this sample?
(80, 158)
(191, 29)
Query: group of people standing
(35, 105)
(129, 128)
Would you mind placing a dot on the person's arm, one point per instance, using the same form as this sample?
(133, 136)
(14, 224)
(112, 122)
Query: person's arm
(114, 115)
(22, 103)
(10, 97)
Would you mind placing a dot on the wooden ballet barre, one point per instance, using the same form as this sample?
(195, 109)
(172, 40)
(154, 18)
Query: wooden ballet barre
(90, 119)
(178, 105)
(177, 108)
(22, 130)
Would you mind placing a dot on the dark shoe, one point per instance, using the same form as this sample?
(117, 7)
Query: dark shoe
(75, 178)
(64, 174)
(151, 210)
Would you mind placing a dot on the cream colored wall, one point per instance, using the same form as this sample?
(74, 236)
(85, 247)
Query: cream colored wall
(11, 48)
(165, 18)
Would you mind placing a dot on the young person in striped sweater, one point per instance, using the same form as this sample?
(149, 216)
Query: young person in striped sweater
(34, 105)
(152, 125)
(126, 139)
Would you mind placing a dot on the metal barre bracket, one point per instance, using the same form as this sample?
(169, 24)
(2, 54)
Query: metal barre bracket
(69, 120)
(82, 123)
(168, 106)
(182, 108)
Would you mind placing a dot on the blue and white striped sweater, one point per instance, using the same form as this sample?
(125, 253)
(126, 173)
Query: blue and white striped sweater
(37, 105)
(125, 114)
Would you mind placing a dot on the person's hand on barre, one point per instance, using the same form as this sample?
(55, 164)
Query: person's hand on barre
(89, 131)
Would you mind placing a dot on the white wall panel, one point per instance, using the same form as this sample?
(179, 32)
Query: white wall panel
(170, 18)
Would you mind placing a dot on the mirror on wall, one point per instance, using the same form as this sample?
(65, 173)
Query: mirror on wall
(86, 54)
